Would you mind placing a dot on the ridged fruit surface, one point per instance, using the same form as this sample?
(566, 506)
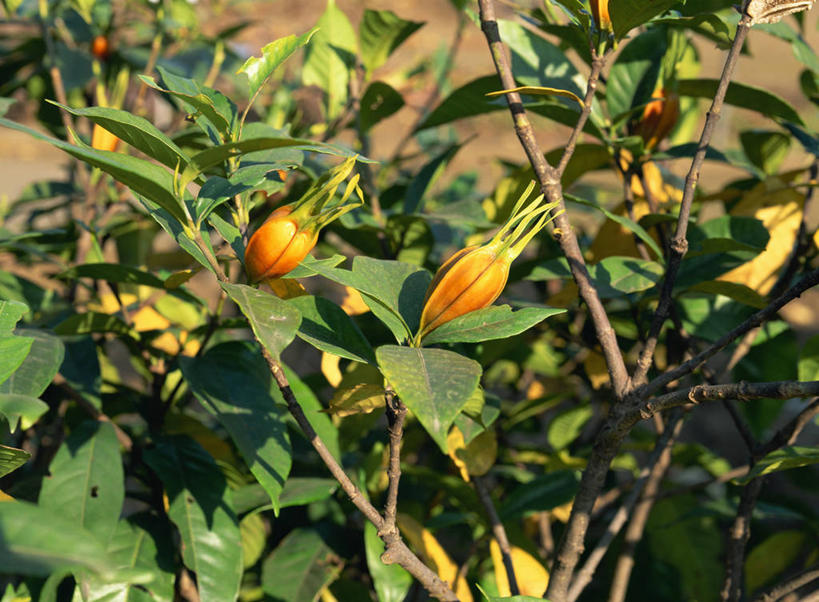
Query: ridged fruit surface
(472, 279)
(276, 248)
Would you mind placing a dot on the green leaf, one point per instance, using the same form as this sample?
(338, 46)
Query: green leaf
(38, 369)
(10, 313)
(300, 567)
(258, 70)
(771, 557)
(628, 14)
(141, 176)
(330, 58)
(21, 408)
(303, 270)
(380, 100)
(733, 290)
(540, 494)
(624, 221)
(537, 62)
(313, 410)
(633, 76)
(435, 384)
(391, 582)
(11, 459)
(136, 131)
(766, 150)
(521, 598)
(426, 177)
(493, 322)
(743, 96)
(253, 532)
(86, 482)
(539, 91)
(298, 491)
(91, 322)
(200, 508)
(786, 458)
(809, 360)
(113, 272)
(613, 276)
(801, 49)
(38, 541)
(565, 427)
(174, 228)
(233, 382)
(381, 32)
(13, 352)
(274, 322)
(325, 326)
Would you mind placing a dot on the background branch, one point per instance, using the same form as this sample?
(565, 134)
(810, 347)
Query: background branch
(499, 532)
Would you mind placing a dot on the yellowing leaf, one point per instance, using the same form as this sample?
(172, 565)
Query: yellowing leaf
(476, 458)
(563, 512)
(596, 369)
(434, 555)
(540, 91)
(779, 208)
(353, 304)
(530, 574)
(5, 497)
(816, 238)
(286, 288)
(358, 399)
(330, 369)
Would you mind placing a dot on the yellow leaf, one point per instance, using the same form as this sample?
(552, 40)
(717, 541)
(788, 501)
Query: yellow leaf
(596, 369)
(530, 574)
(179, 278)
(353, 304)
(535, 390)
(816, 238)
(434, 555)
(5, 497)
(563, 512)
(779, 208)
(330, 369)
(286, 288)
(358, 399)
(539, 91)
(476, 458)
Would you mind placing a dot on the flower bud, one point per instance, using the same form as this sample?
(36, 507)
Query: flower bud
(291, 232)
(475, 276)
(658, 118)
(600, 12)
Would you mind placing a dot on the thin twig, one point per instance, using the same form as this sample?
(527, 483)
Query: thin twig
(738, 537)
(499, 532)
(549, 180)
(396, 413)
(654, 469)
(594, 77)
(679, 243)
(639, 517)
(791, 585)
(763, 315)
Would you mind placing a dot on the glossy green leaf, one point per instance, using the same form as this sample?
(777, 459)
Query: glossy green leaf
(38, 369)
(274, 322)
(330, 57)
(493, 322)
(10, 313)
(174, 228)
(11, 459)
(13, 352)
(141, 176)
(391, 582)
(233, 382)
(566, 426)
(86, 482)
(772, 557)
(21, 408)
(113, 272)
(633, 76)
(743, 96)
(38, 541)
(809, 360)
(613, 276)
(733, 290)
(380, 100)
(381, 32)
(200, 508)
(766, 150)
(304, 269)
(628, 14)
(259, 69)
(325, 326)
(542, 493)
(298, 491)
(426, 177)
(136, 131)
(434, 384)
(299, 568)
(786, 458)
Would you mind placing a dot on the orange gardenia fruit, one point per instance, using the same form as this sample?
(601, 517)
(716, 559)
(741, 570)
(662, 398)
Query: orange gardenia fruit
(658, 118)
(100, 47)
(277, 246)
(600, 12)
(102, 139)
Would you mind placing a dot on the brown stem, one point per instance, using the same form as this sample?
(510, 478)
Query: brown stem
(763, 315)
(499, 532)
(679, 243)
(549, 179)
(738, 535)
(639, 518)
(396, 413)
(791, 585)
(655, 469)
(594, 77)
